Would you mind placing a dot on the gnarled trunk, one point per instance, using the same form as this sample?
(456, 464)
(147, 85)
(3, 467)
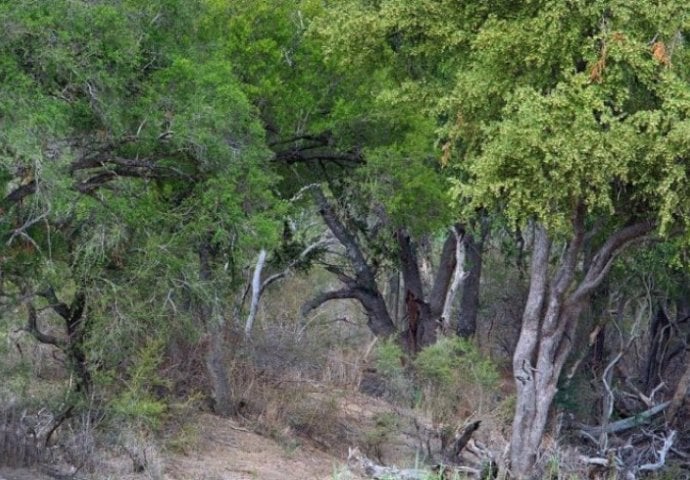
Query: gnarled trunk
(427, 312)
(362, 285)
(549, 323)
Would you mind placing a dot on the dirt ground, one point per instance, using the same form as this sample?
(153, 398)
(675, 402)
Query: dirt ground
(230, 452)
(224, 449)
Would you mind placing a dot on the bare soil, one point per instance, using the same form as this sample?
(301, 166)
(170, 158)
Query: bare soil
(227, 451)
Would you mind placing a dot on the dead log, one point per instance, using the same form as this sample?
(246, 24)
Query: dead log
(365, 467)
(626, 423)
(453, 451)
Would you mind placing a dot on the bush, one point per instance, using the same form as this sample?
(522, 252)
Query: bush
(454, 374)
(392, 380)
(136, 402)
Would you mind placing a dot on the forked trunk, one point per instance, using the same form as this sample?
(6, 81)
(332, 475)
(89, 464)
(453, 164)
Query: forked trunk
(548, 325)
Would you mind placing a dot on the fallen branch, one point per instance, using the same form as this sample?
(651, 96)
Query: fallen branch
(626, 423)
(362, 466)
(661, 459)
(462, 439)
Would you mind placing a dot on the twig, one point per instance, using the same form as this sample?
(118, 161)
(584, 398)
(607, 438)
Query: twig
(661, 459)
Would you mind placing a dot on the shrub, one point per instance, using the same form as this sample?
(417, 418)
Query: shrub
(136, 402)
(454, 374)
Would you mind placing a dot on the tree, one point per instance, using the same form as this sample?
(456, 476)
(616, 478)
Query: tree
(137, 175)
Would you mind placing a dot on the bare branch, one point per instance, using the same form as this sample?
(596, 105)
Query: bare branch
(352, 248)
(345, 293)
(661, 454)
(604, 258)
(20, 193)
(256, 292)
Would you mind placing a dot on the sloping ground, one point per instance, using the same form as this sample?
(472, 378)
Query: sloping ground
(21, 474)
(224, 449)
(229, 452)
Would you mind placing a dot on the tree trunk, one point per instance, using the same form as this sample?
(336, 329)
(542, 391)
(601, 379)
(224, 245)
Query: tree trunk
(549, 323)
(522, 454)
(73, 346)
(428, 314)
(362, 286)
(469, 301)
(659, 336)
(256, 292)
(459, 276)
(212, 320)
(680, 395)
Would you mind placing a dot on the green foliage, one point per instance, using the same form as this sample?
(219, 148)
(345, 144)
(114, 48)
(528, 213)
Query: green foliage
(539, 106)
(389, 358)
(454, 374)
(136, 402)
(453, 358)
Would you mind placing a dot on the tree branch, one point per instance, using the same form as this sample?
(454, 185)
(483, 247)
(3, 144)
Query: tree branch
(256, 292)
(363, 272)
(604, 258)
(626, 423)
(345, 293)
(567, 271)
(59, 307)
(32, 328)
(450, 254)
(20, 193)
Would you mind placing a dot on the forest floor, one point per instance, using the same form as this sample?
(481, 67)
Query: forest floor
(229, 449)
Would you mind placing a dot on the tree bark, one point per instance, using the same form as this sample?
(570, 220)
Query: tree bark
(659, 336)
(522, 458)
(469, 301)
(427, 313)
(256, 292)
(549, 323)
(452, 250)
(421, 325)
(459, 276)
(680, 395)
(216, 367)
(73, 346)
(363, 286)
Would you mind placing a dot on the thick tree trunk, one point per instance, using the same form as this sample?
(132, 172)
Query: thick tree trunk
(427, 314)
(420, 323)
(469, 301)
(549, 323)
(446, 272)
(523, 455)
